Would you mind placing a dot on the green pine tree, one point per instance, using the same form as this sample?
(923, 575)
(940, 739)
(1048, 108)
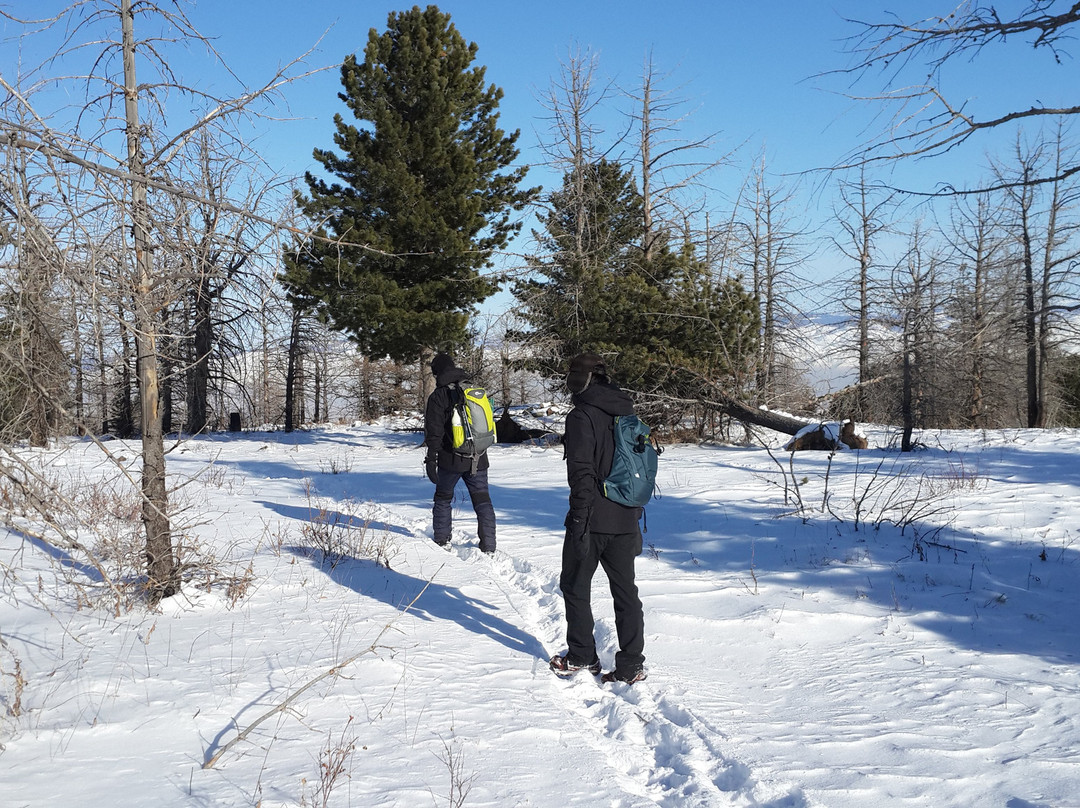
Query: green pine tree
(666, 327)
(424, 193)
(678, 332)
(589, 230)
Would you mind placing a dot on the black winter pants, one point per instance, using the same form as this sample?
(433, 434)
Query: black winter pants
(616, 552)
(442, 511)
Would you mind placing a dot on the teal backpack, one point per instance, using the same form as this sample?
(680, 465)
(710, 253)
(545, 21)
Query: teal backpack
(633, 467)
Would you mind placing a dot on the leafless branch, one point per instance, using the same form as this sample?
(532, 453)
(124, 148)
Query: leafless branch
(335, 670)
(927, 124)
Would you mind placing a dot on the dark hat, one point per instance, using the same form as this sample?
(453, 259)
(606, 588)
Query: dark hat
(583, 368)
(441, 363)
(588, 363)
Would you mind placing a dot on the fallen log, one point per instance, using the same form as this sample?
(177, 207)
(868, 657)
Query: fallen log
(763, 418)
(824, 436)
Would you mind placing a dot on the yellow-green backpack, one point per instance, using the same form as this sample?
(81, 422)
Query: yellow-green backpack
(472, 423)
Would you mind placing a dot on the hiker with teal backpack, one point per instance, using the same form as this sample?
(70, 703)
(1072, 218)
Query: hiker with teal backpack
(601, 530)
(455, 453)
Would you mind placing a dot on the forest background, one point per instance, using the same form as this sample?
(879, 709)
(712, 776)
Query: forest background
(158, 272)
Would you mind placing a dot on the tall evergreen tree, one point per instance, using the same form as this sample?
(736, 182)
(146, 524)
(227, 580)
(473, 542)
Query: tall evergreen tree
(589, 231)
(425, 193)
(664, 324)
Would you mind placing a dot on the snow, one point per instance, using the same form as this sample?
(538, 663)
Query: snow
(911, 643)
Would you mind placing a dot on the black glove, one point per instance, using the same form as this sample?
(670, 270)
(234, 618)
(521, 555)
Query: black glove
(431, 467)
(577, 535)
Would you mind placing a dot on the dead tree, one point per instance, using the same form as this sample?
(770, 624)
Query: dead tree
(32, 324)
(668, 170)
(1046, 237)
(160, 560)
(120, 198)
(863, 219)
(771, 253)
(929, 123)
(982, 308)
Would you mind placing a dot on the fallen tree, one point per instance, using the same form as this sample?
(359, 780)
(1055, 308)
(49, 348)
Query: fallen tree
(768, 419)
(725, 405)
(771, 419)
(822, 435)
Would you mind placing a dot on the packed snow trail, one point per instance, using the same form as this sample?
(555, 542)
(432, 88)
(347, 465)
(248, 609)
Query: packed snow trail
(656, 749)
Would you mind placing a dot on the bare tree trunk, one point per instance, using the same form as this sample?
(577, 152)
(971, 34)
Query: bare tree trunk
(572, 105)
(291, 372)
(759, 417)
(263, 415)
(103, 376)
(161, 565)
(1047, 268)
(771, 259)
(1031, 343)
(866, 220)
(167, 365)
(364, 382)
(1046, 285)
(317, 386)
(199, 400)
(124, 421)
(33, 318)
(915, 290)
(866, 233)
(78, 349)
(300, 385)
(668, 169)
(649, 235)
(907, 409)
(978, 315)
(1045, 295)
(426, 381)
(864, 310)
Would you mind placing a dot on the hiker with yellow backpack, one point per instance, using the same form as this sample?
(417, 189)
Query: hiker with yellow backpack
(458, 429)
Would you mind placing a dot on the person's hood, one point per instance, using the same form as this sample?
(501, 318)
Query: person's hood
(607, 397)
(451, 375)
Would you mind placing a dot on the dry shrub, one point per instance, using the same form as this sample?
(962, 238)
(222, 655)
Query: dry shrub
(334, 764)
(12, 682)
(92, 531)
(342, 531)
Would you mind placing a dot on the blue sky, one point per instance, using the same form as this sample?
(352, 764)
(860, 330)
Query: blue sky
(743, 70)
(749, 72)
(746, 69)
(742, 67)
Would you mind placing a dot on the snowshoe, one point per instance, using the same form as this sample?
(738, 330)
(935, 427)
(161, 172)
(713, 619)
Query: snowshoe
(628, 678)
(562, 666)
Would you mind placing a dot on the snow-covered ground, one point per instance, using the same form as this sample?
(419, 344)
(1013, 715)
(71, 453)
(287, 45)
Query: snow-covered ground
(861, 630)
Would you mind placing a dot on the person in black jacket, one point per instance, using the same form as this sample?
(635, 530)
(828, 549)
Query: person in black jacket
(445, 467)
(599, 531)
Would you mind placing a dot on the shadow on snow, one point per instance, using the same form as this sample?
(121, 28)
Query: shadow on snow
(436, 602)
(984, 593)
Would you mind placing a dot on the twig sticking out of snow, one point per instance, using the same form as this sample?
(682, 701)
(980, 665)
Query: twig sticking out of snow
(334, 671)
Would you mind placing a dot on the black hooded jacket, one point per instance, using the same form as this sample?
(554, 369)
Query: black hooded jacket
(590, 446)
(437, 423)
